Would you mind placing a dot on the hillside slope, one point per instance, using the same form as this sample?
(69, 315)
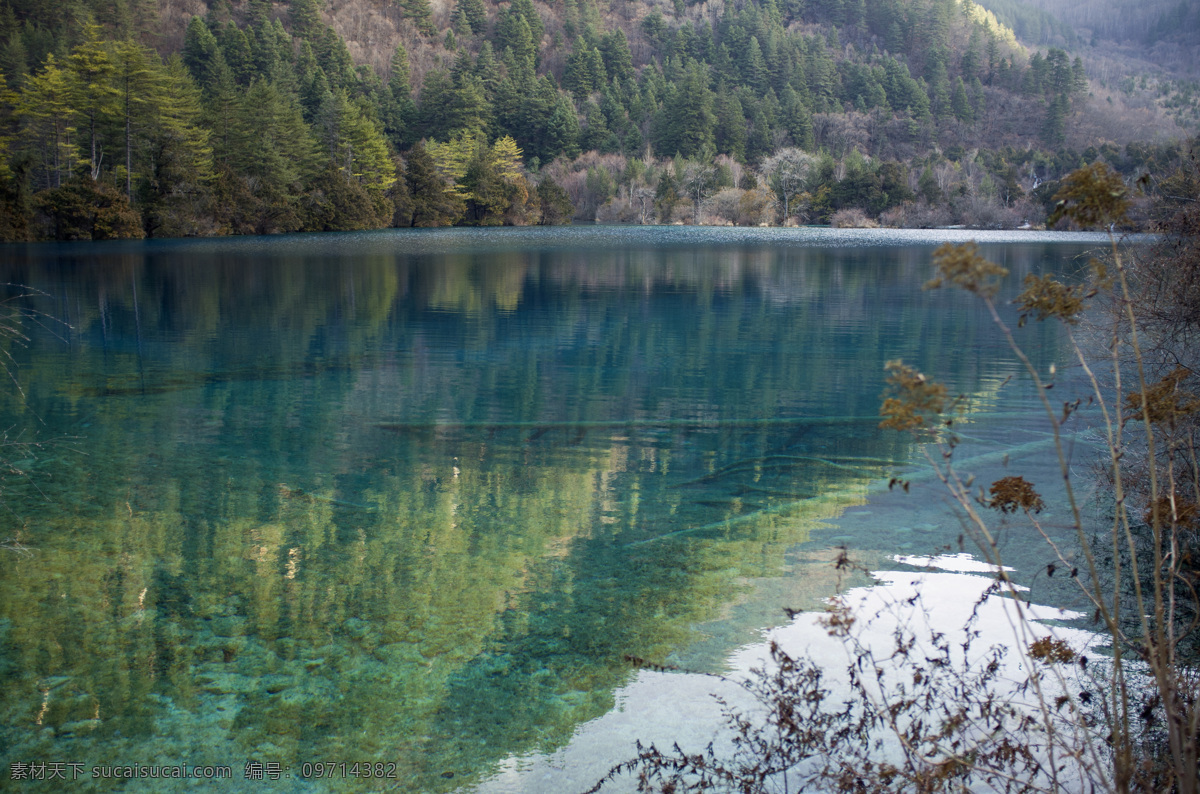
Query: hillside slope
(180, 117)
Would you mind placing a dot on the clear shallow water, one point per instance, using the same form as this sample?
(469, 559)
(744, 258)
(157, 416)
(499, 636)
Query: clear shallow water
(412, 497)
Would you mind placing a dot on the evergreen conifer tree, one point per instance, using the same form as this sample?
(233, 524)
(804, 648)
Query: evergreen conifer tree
(475, 14)
(305, 16)
(432, 203)
(93, 97)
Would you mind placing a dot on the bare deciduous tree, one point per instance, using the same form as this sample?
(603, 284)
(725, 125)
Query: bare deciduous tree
(787, 173)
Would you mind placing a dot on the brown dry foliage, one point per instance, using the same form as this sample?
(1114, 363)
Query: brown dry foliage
(1044, 296)
(916, 399)
(1166, 401)
(1095, 195)
(1175, 511)
(1051, 651)
(962, 266)
(1010, 494)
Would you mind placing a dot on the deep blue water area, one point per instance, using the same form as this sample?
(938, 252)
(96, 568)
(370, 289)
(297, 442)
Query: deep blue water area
(412, 498)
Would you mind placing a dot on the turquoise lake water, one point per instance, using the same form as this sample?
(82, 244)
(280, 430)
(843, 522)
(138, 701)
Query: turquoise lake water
(411, 498)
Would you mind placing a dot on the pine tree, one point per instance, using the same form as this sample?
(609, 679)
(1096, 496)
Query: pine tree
(515, 40)
(633, 143)
(334, 59)
(939, 90)
(1079, 80)
(469, 108)
(432, 203)
(894, 41)
(960, 104)
(236, 49)
(357, 149)
(399, 76)
(176, 123)
(453, 157)
(259, 12)
(200, 52)
(397, 111)
(401, 198)
(421, 15)
(138, 86)
(595, 133)
(314, 91)
(570, 20)
(1034, 80)
(220, 108)
(666, 195)
(759, 142)
(272, 144)
(264, 54)
(506, 156)
(615, 114)
(556, 208)
(561, 131)
(730, 132)
(928, 188)
(618, 62)
(893, 181)
(971, 64)
(578, 75)
(1059, 79)
(655, 28)
(1010, 188)
(475, 14)
(486, 198)
(689, 119)
(537, 28)
(821, 74)
(93, 95)
(797, 119)
(179, 156)
(487, 69)
(596, 68)
(978, 98)
(305, 18)
(44, 113)
(1055, 124)
(434, 108)
(754, 69)
(459, 23)
(903, 92)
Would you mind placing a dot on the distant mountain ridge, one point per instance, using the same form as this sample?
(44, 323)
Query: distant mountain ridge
(1164, 33)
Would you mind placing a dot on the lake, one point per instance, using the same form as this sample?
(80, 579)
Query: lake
(412, 497)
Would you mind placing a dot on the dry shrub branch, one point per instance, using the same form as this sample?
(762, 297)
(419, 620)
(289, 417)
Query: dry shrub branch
(930, 712)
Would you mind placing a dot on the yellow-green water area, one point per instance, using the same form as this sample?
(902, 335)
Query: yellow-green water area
(412, 499)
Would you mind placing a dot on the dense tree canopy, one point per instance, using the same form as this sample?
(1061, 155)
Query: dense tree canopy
(265, 106)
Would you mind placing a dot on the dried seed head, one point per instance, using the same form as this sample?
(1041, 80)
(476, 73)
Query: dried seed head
(1045, 297)
(1010, 494)
(1094, 195)
(1049, 650)
(1165, 400)
(1182, 513)
(915, 399)
(962, 266)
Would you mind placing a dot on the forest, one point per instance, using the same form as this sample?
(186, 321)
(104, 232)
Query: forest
(139, 118)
